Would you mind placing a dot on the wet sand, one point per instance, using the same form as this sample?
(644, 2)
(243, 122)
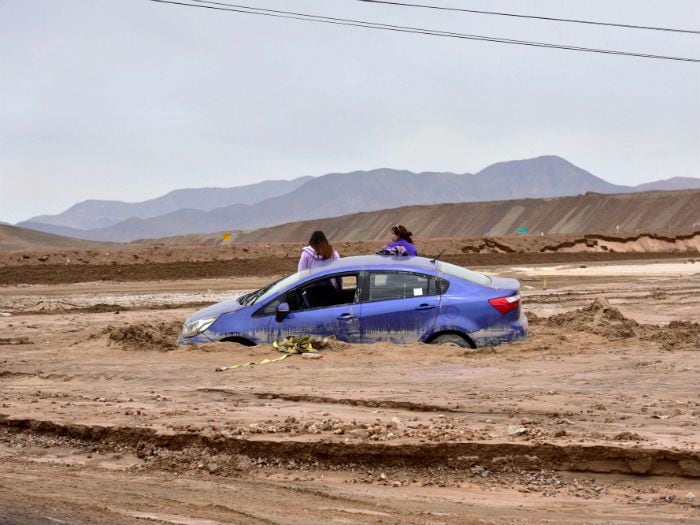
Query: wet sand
(594, 419)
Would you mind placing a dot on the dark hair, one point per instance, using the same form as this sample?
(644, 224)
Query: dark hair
(402, 233)
(321, 245)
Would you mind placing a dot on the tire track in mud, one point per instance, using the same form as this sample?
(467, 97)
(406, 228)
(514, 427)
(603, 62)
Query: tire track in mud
(105, 308)
(401, 405)
(365, 403)
(652, 291)
(11, 374)
(588, 295)
(332, 454)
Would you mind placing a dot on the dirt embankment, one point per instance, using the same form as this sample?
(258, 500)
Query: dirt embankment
(13, 238)
(158, 260)
(46, 273)
(628, 213)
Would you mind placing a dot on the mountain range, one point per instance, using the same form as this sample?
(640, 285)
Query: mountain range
(271, 203)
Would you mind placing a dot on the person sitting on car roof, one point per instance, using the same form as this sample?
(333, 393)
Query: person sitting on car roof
(402, 242)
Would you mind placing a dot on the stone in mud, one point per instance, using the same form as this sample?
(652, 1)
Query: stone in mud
(516, 430)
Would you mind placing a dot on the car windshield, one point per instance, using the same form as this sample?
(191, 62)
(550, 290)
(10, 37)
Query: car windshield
(463, 273)
(273, 289)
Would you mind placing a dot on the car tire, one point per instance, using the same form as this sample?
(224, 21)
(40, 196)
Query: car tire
(455, 339)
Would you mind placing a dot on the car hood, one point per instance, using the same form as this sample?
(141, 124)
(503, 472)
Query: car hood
(215, 310)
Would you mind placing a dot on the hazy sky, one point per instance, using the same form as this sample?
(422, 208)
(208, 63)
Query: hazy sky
(129, 99)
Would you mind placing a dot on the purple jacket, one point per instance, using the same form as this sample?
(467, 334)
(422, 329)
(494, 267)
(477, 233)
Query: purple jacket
(309, 258)
(410, 249)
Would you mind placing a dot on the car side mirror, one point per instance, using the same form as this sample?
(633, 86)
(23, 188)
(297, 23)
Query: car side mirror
(282, 312)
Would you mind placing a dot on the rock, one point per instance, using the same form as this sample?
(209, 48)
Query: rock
(213, 468)
(516, 430)
(690, 496)
(311, 355)
(5, 314)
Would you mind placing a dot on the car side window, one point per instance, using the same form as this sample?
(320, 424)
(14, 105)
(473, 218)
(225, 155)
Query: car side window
(332, 290)
(399, 285)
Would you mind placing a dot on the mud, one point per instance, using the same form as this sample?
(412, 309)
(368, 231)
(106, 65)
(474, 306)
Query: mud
(593, 419)
(599, 318)
(143, 336)
(451, 456)
(677, 335)
(602, 319)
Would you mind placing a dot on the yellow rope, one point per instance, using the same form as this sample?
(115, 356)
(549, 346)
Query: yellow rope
(263, 362)
(290, 345)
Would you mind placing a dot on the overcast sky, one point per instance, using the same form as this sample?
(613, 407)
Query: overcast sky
(129, 99)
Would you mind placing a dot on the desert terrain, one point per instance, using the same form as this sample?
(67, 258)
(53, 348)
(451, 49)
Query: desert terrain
(595, 418)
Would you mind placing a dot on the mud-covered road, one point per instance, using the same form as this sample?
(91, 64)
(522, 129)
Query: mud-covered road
(594, 419)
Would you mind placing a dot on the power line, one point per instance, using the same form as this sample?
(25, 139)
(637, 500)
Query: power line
(221, 6)
(534, 17)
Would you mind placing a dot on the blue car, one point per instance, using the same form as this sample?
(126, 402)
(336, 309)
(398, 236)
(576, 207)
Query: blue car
(370, 298)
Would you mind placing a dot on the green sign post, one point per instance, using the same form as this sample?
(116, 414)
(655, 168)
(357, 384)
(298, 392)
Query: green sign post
(522, 230)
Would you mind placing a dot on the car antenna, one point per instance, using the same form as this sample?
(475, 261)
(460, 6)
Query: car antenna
(438, 256)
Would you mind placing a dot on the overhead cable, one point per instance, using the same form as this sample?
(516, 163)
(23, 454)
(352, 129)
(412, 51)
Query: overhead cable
(235, 8)
(534, 17)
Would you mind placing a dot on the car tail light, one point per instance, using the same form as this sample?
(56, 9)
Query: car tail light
(505, 304)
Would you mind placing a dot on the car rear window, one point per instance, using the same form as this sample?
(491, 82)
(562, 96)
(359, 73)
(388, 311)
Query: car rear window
(399, 285)
(463, 273)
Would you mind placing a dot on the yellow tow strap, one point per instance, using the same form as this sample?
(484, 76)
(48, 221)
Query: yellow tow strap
(263, 362)
(290, 345)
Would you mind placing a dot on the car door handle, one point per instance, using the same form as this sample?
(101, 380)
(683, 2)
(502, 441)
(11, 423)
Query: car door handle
(346, 317)
(425, 306)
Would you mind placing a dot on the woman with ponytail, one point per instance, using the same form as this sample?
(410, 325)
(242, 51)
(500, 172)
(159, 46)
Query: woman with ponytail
(318, 250)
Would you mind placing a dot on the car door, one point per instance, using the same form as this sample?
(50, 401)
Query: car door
(397, 306)
(324, 307)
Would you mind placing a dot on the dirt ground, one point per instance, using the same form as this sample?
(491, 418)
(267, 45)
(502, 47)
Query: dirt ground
(593, 419)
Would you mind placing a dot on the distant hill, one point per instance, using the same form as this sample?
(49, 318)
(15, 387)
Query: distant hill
(674, 183)
(341, 193)
(95, 214)
(592, 212)
(191, 211)
(13, 238)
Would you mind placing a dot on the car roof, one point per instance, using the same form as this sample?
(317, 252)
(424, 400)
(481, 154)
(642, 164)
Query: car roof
(378, 262)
